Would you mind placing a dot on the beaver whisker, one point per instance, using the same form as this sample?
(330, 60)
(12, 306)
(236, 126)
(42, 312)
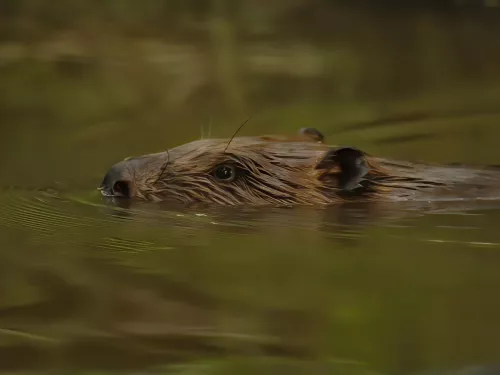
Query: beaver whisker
(236, 132)
(166, 163)
(210, 128)
(163, 168)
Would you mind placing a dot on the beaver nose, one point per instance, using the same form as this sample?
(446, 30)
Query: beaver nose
(115, 184)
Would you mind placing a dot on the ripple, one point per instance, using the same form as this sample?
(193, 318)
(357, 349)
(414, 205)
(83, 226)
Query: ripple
(83, 221)
(39, 212)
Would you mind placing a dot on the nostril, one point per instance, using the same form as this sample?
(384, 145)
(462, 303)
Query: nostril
(121, 188)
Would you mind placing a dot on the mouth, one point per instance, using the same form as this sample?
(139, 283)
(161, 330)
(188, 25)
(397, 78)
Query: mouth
(105, 192)
(120, 188)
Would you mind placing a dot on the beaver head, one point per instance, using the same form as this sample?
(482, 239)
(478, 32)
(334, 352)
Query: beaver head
(246, 170)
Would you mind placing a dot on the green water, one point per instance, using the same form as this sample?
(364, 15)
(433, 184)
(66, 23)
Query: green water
(91, 288)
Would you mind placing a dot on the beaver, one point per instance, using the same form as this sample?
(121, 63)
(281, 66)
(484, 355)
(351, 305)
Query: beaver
(281, 170)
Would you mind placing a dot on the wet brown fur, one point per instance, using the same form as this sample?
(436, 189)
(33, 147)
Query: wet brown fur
(289, 171)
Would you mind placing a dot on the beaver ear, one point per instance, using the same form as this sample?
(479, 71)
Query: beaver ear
(312, 134)
(352, 164)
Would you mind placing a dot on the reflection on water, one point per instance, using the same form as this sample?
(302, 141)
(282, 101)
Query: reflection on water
(93, 287)
(355, 288)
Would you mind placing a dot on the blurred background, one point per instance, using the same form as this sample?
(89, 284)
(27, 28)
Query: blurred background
(85, 83)
(119, 77)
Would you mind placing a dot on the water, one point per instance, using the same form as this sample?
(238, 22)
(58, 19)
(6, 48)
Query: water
(90, 287)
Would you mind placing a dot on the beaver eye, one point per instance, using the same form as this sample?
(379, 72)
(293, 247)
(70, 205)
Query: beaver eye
(225, 172)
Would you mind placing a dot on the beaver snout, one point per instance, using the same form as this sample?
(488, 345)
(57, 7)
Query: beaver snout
(117, 182)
